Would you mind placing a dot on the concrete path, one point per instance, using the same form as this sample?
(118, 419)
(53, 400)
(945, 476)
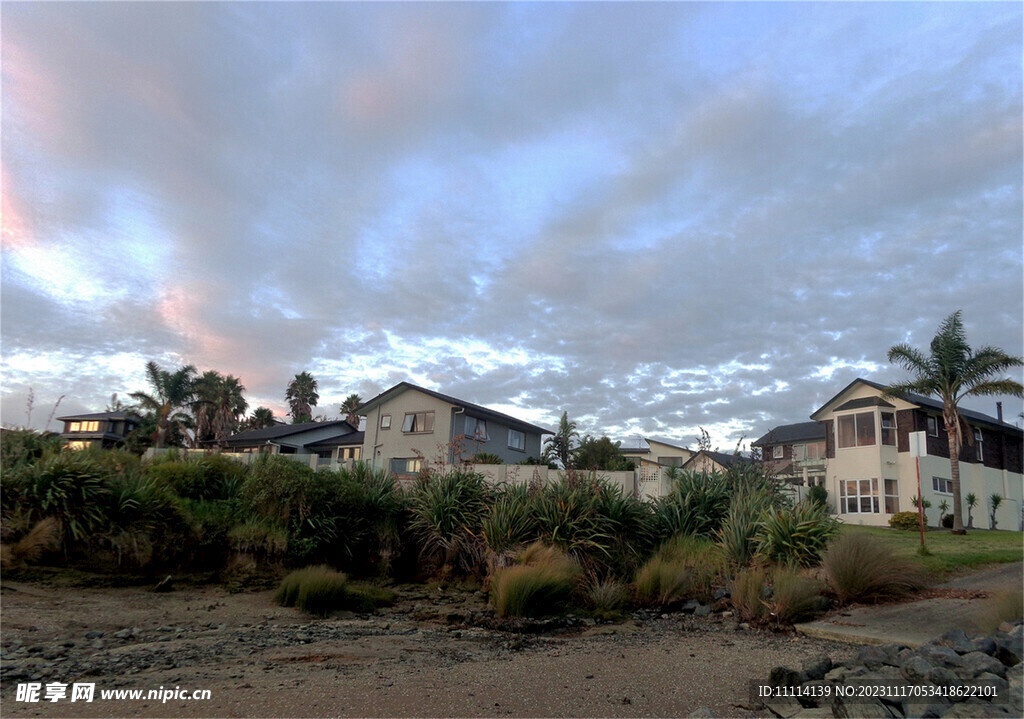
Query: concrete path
(916, 623)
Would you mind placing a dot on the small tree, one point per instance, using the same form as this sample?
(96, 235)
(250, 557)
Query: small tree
(943, 509)
(972, 502)
(600, 454)
(995, 500)
(348, 409)
(302, 397)
(560, 446)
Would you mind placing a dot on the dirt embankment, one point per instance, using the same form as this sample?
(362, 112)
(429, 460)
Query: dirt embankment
(418, 658)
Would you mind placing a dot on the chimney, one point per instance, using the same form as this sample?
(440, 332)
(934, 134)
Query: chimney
(999, 411)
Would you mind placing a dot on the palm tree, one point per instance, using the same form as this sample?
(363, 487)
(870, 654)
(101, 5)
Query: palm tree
(302, 397)
(972, 502)
(561, 445)
(348, 408)
(171, 391)
(261, 417)
(951, 372)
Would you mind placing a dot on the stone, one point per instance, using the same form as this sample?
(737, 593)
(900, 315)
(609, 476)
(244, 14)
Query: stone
(702, 713)
(785, 677)
(974, 709)
(943, 677)
(814, 713)
(124, 634)
(925, 708)
(985, 645)
(940, 656)
(952, 638)
(977, 663)
(721, 594)
(1000, 685)
(1008, 649)
(785, 707)
(817, 667)
(860, 709)
(88, 635)
(702, 610)
(916, 669)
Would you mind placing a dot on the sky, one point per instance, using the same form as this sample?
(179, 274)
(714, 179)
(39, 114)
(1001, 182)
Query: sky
(653, 217)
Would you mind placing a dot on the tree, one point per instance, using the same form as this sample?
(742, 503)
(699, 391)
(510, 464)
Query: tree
(172, 391)
(218, 406)
(560, 446)
(348, 409)
(951, 372)
(995, 500)
(972, 502)
(602, 454)
(302, 397)
(261, 417)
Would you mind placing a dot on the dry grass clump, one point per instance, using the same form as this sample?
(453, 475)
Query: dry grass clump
(999, 608)
(317, 590)
(748, 592)
(779, 595)
(607, 598)
(42, 538)
(542, 583)
(858, 567)
(686, 567)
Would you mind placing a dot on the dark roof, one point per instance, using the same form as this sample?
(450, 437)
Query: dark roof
(340, 440)
(863, 402)
(790, 433)
(278, 431)
(722, 458)
(475, 409)
(929, 403)
(120, 414)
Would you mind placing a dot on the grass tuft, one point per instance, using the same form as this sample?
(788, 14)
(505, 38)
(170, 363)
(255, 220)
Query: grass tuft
(542, 584)
(317, 590)
(858, 567)
(686, 567)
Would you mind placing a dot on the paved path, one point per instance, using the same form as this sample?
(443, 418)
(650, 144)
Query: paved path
(918, 622)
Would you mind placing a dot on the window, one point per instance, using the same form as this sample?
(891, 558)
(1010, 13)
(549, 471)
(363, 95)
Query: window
(933, 426)
(892, 496)
(516, 440)
(859, 496)
(385, 421)
(815, 450)
(942, 486)
(778, 451)
(857, 430)
(978, 453)
(476, 429)
(889, 429)
(348, 453)
(323, 453)
(418, 422)
(84, 427)
(405, 466)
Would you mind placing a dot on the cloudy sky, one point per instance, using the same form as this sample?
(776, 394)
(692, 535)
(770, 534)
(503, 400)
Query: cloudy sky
(653, 217)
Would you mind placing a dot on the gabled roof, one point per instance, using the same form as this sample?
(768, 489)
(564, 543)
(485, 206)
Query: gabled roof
(790, 433)
(647, 449)
(926, 403)
(120, 414)
(279, 431)
(722, 458)
(350, 439)
(863, 402)
(474, 409)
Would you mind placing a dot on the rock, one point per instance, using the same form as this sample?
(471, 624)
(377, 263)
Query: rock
(721, 594)
(943, 677)
(925, 708)
(875, 656)
(974, 709)
(814, 713)
(987, 679)
(702, 713)
(977, 663)
(124, 634)
(88, 635)
(785, 707)
(702, 610)
(940, 656)
(97, 644)
(952, 638)
(817, 667)
(690, 606)
(985, 645)
(860, 709)
(916, 669)
(785, 677)
(1008, 649)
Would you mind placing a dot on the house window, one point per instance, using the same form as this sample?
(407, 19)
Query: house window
(778, 451)
(815, 450)
(516, 440)
(323, 453)
(418, 422)
(892, 496)
(385, 421)
(856, 430)
(942, 486)
(933, 426)
(476, 429)
(889, 429)
(859, 496)
(405, 466)
(348, 453)
(978, 446)
(84, 427)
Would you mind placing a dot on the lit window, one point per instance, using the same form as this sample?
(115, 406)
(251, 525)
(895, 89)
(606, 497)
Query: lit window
(892, 496)
(978, 446)
(778, 451)
(889, 429)
(516, 440)
(385, 421)
(418, 422)
(859, 496)
(857, 430)
(476, 429)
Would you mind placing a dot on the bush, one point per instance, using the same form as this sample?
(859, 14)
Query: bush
(683, 568)
(607, 597)
(543, 583)
(739, 531)
(795, 536)
(259, 538)
(794, 596)
(858, 567)
(818, 495)
(508, 525)
(447, 515)
(697, 504)
(567, 516)
(947, 521)
(316, 590)
(748, 592)
(68, 486)
(904, 520)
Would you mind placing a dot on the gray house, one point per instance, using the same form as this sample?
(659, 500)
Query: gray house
(320, 438)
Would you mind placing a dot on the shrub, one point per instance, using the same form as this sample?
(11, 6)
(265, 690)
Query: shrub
(42, 538)
(607, 597)
(143, 520)
(947, 521)
(818, 495)
(683, 568)
(23, 447)
(316, 590)
(447, 514)
(566, 515)
(748, 592)
(543, 583)
(794, 597)
(259, 538)
(486, 458)
(795, 536)
(739, 531)
(697, 504)
(69, 487)
(904, 520)
(858, 567)
(508, 525)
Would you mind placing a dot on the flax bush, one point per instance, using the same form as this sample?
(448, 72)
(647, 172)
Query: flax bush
(738, 533)
(796, 535)
(447, 513)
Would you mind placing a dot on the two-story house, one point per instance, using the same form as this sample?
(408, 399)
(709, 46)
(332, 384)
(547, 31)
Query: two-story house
(408, 425)
(657, 453)
(871, 472)
(796, 452)
(99, 429)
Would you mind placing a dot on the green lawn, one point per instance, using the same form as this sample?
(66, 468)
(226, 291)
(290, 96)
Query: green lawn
(951, 554)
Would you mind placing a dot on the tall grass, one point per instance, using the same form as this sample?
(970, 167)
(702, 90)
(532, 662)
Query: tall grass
(696, 505)
(542, 583)
(317, 590)
(508, 525)
(686, 567)
(858, 567)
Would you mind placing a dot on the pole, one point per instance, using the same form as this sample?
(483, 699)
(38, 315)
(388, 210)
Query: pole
(920, 500)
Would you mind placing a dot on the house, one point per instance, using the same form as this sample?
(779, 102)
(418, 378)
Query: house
(657, 453)
(795, 453)
(407, 425)
(101, 429)
(871, 473)
(707, 461)
(328, 440)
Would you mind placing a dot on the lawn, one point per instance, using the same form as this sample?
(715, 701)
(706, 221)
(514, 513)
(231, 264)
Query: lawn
(951, 554)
